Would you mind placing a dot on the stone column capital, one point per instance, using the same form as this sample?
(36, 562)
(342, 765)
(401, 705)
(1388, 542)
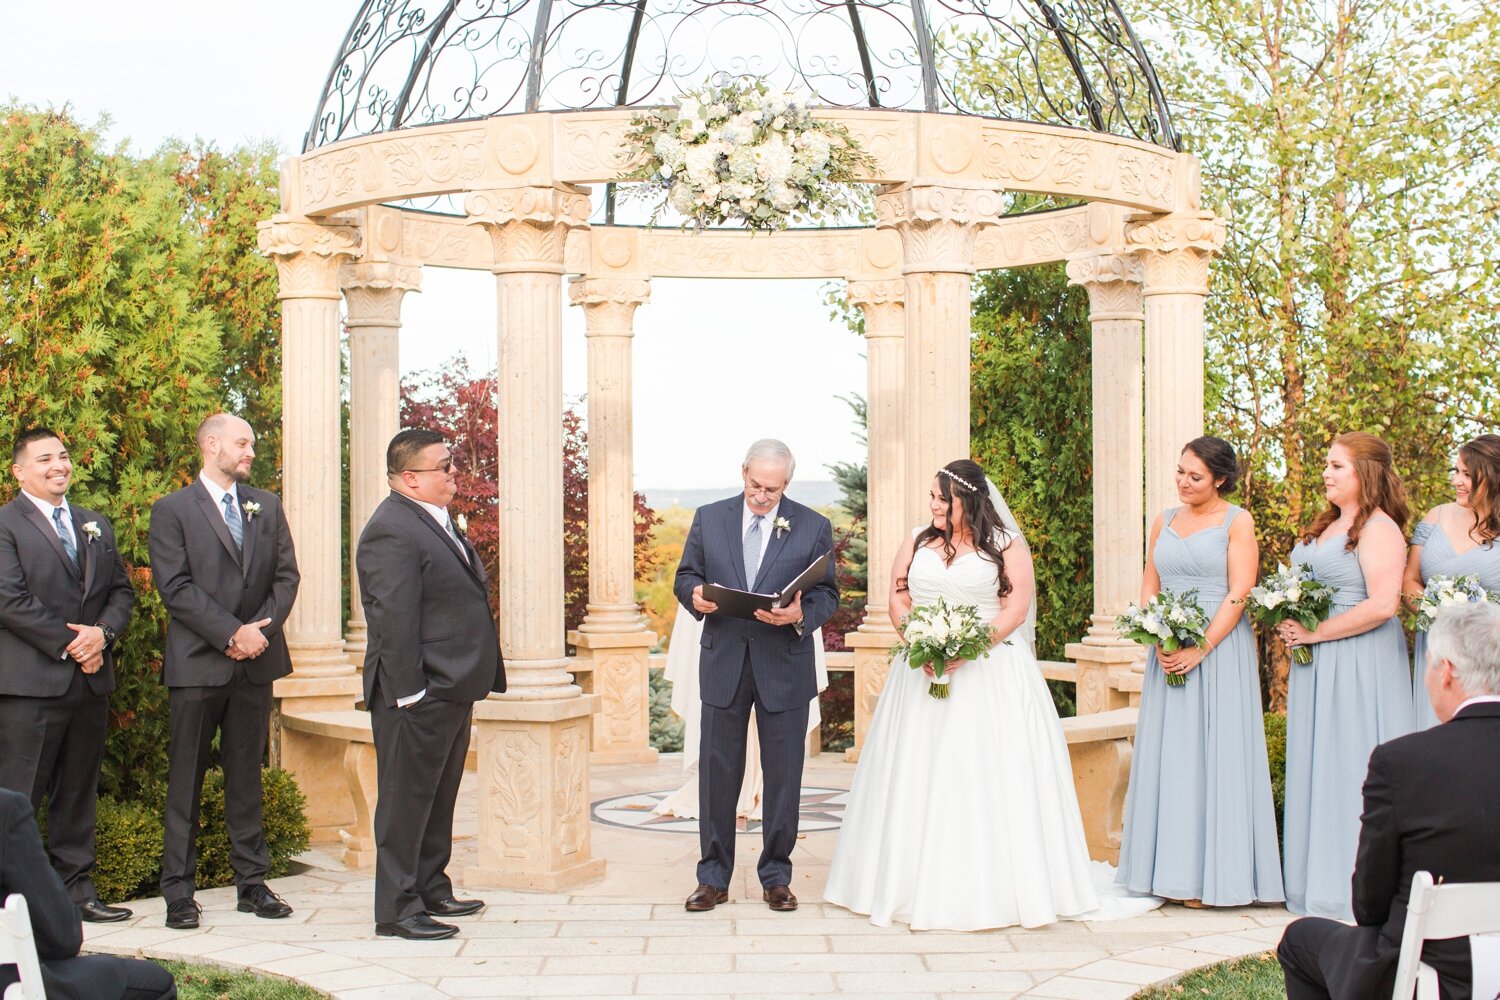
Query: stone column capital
(883, 303)
(1114, 281)
(529, 225)
(937, 223)
(609, 304)
(373, 291)
(1175, 251)
(308, 254)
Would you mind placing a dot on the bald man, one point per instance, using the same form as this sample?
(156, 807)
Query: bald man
(222, 558)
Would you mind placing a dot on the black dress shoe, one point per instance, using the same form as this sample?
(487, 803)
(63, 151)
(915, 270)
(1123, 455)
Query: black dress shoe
(417, 927)
(262, 902)
(95, 912)
(779, 898)
(182, 915)
(705, 897)
(453, 907)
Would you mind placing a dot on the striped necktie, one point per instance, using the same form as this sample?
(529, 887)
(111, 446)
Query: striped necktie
(752, 549)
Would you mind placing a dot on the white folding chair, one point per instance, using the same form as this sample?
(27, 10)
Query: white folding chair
(18, 948)
(1451, 910)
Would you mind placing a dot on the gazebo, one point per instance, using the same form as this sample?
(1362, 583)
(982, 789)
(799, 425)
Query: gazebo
(488, 136)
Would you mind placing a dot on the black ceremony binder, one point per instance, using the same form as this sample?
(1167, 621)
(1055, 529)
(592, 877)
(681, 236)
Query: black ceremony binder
(744, 603)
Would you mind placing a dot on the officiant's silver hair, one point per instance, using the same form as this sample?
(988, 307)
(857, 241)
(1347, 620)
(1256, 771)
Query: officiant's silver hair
(774, 450)
(1468, 636)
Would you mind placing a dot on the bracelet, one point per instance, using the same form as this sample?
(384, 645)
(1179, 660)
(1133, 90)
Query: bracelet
(1208, 647)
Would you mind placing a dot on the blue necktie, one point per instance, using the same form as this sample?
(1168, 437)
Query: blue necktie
(752, 549)
(232, 518)
(69, 546)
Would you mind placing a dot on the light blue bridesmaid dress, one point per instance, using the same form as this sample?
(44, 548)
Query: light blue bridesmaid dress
(1355, 694)
(1439, 559)
(1199, 819)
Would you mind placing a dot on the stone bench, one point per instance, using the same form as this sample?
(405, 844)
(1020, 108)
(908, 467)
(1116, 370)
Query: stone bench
(1100, 745)
(335, 755)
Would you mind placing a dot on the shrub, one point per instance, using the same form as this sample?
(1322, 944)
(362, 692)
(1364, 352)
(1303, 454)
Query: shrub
(128, 836)
(284, 820)
(666, 728)
(1276, 755)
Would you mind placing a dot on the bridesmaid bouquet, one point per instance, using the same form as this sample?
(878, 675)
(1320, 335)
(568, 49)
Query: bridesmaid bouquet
(1291, 592)
(1169, 620)
(1445, 591)
(936, 633)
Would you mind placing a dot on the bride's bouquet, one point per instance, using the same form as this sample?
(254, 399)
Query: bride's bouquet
(1445, 591)
(1291, 592)
(1169, 620)
(933, 634)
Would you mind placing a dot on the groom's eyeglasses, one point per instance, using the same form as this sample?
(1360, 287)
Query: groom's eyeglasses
(443, 467)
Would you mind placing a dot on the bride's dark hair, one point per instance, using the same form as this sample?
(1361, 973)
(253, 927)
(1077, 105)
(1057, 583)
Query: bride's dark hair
(962, 482)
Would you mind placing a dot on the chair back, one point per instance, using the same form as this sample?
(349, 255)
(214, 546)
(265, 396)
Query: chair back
(1435, 912)
(18, 948)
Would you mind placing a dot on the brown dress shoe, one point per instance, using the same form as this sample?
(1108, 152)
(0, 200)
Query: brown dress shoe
(705, 897)
(780, 898)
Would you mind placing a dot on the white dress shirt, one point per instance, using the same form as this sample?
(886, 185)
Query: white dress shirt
(766, 528)
(47, 507)
(217, 492)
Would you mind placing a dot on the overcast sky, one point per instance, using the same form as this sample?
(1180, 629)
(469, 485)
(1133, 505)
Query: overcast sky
(717, 363)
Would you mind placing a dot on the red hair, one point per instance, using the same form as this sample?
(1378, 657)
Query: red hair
(1379, 487)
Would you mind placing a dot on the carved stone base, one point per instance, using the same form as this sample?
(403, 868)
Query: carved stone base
(871, 662)
(617, 668)
(319, 659)
(360, 774)
(1100, 749)
(1101, 674)
(355, 642)
(316, 749)
(534, 794)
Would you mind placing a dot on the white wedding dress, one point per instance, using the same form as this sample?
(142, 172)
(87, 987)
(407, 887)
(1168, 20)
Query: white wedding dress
(962, 815)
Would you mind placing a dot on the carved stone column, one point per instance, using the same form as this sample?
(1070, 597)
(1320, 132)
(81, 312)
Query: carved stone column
(372, 292)
(884, 306)
(1175, 251)
(1113, 282)
(308, 256)
(533, 740)
(613, 641)
(937, 226)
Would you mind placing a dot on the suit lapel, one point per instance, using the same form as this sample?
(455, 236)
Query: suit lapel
(30, 512)
(85, 551)
(250, 534)
(432, 525)
(215, 518)
(773, 547)
(733, 521)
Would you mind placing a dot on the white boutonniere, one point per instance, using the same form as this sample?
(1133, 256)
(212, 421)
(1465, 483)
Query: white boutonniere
(462, 522)
(251, 509)
(91, 529)
(781, 525)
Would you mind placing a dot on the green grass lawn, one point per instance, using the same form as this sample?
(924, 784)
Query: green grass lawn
(210, 982)
(1257, 977)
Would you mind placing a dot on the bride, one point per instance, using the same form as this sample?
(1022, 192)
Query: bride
(963, 814)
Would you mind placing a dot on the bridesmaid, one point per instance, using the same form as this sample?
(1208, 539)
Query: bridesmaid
(1200, 825)
(1356, 693)
(1456, 539)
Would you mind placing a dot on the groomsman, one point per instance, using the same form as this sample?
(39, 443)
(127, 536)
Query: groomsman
(64, 598)
(432, 654)
(222, 557)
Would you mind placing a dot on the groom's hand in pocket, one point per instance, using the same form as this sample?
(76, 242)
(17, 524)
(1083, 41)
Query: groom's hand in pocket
(789, 615)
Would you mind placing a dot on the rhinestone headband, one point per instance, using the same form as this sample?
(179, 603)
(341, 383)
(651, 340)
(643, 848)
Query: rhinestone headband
(962, 482)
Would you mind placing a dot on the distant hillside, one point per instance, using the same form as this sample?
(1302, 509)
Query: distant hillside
(812, 492)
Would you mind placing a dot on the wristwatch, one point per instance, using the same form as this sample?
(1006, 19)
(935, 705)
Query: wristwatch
(109, 633)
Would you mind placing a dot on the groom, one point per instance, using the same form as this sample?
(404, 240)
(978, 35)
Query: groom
(759, 541)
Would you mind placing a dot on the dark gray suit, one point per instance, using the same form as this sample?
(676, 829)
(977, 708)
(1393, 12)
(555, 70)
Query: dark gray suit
(426, 603)
(210, 589)
(1432, 803)
(749, 663)
(56, 926)
(53, 716)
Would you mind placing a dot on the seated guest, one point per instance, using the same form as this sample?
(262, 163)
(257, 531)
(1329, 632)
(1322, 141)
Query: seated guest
(57, 926)
(1432, 803)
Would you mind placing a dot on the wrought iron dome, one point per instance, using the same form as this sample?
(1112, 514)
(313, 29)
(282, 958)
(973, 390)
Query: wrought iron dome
(407, 63)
